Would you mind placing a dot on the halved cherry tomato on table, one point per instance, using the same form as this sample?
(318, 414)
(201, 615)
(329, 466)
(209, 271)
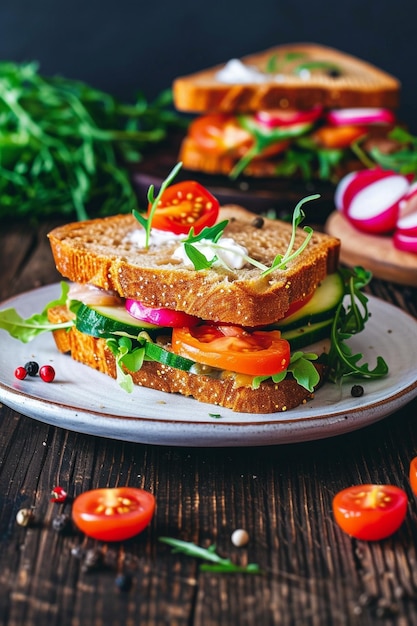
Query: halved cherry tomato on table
(113, 514)
(229, 347)
(338, 137)
(184, 206)
(222, 134)
(413, 475)
(370, 512)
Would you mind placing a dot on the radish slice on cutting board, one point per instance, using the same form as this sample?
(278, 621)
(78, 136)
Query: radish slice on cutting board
(406, 243)
(375, 209)
(361, 115)
(351, 184)
(407, 220)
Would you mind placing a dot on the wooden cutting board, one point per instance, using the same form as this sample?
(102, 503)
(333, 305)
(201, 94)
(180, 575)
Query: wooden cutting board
(373, 252)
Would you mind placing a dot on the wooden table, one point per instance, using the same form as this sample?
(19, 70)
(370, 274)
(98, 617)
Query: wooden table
(313, 573)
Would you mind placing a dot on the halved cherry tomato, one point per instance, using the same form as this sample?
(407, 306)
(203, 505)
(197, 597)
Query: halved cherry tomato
(232, 348)
(335, 137)
(222, 134)
(413, 475)
(113, 514)
(184, 206)
(370, 512)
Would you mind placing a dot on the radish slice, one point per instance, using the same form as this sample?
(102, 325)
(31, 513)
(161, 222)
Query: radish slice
(278, 117)
(159, 316)
(342, 185)
(407, 221)
(363, 115)
(406, 243)
(375, 208)
(354, 182)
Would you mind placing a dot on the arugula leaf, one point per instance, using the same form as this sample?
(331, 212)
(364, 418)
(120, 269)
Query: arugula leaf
(65, 146)
(146, 222)
(301, 367)
(27, 329)
(349, 320)
(219, 564)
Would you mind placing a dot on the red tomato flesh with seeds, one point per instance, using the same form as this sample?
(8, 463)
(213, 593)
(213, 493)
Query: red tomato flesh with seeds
(184, 206)
(228, 347)
(370, 512)
(222, 134)
(413, 475)
(113, 514)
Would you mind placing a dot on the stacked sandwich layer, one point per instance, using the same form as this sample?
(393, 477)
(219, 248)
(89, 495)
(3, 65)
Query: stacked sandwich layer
(293, 110)
(239, 309)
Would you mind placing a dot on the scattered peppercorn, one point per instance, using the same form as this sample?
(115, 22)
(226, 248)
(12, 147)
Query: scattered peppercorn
(93, 559)
(58, 495)
(32, 368)
(123, 582)
(25, 517)
(61, 523)
(20, 372)
(240, 537)
(47, 373)
(357, 391)
(258, 222)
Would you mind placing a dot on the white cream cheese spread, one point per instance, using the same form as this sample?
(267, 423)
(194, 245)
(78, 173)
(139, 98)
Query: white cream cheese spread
(228, 253)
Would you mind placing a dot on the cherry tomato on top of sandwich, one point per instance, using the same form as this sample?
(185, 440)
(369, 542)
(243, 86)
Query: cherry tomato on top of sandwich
(222, 134)
(228, 347)
(370, 512)
(113, 514)
(184, 206)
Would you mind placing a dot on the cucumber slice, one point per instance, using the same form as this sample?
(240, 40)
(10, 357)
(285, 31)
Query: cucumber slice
(155, 352)
(305, 335)
(322, 305)
(105, 321)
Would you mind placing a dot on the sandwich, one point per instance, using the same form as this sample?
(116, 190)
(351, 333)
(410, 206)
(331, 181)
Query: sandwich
(211, 302)
(298, 110)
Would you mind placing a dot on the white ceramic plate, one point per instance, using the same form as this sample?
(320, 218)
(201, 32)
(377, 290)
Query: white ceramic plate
(86, 401)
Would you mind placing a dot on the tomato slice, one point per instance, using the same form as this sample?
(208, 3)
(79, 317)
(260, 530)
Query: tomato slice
(370, 512)
(184, 206)
(338, 137)
(228, 347)
(413, 475)
(222, 134)
(113, 514)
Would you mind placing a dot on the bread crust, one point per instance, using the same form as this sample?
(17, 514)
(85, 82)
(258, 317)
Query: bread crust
(360, 84)
(268, 398)
(98, 252)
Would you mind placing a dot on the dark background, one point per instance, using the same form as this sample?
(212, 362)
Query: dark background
(123, 47)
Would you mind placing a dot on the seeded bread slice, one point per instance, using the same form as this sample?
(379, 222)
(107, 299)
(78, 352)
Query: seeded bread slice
(233, 392)
(99, 252)
(345, 81)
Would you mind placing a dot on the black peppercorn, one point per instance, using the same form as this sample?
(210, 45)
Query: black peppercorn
(32, 368)
(357, 391)
(123, 582)
(61, 523)
(258, 222)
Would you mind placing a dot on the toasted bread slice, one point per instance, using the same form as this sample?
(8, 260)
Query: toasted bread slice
(330, 78)
(230, 391)
(101, 253)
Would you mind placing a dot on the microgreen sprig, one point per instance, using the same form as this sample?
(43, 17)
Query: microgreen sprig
(349, 320)
(217, 563)
(211, 237)
(146, 222)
